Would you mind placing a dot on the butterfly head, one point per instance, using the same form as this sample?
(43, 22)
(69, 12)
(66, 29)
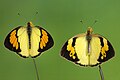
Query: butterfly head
(30, 24)
(89, 31)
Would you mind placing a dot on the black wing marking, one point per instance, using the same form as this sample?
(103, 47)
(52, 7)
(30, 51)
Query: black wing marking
(11, 41)
(70, 54)
(46, 40)
(105, 54)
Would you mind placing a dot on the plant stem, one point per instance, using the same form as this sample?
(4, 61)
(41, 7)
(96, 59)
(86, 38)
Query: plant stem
(36, 69)
(101, 73)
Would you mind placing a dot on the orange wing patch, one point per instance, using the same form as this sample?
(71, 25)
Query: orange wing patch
(13, 39)
(104, 49)
(44, 39)
(72, 51)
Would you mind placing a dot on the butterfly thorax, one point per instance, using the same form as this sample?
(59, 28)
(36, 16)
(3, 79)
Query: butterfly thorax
(88, 34)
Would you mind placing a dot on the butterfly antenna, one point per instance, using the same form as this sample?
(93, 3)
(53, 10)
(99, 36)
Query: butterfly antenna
(94, 22)
(21, 16)
(101, 73)
(18, 14)
(36, 69)
(81, 21)
(36, 12)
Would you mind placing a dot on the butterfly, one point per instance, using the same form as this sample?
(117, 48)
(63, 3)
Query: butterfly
(29, 41)
(87, 49)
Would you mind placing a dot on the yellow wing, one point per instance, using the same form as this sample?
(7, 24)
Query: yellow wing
(23, 41)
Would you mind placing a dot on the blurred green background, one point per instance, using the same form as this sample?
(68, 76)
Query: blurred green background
(61, 18)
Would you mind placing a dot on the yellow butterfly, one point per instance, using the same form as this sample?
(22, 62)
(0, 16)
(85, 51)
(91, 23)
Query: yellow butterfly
(28, 41)
(87, 49)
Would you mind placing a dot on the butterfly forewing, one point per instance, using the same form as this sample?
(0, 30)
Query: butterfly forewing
(107, 50)
(11, 41)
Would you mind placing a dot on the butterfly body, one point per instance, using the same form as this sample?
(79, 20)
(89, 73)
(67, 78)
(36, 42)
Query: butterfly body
(28, 41)
(87, 49)
(29, 30)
